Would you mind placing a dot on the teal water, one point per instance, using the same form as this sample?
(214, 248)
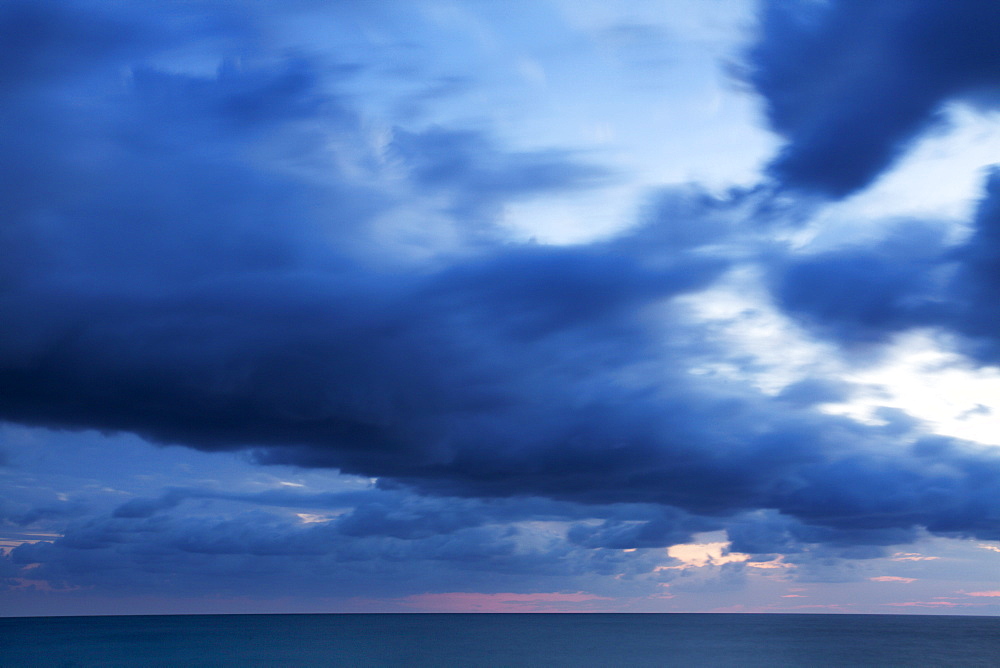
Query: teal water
(690, 640)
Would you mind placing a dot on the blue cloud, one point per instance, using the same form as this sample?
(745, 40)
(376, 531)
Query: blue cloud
(479, 177)
(849, 84)
(863, 293)
(912, 278)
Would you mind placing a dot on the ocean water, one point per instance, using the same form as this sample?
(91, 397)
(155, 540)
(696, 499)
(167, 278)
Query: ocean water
(691, 640)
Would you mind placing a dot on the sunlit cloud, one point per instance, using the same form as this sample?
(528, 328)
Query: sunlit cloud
(921, 377)
(912, 556)
(703, 554)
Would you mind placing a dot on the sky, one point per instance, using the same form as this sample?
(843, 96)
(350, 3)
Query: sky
(521, 306)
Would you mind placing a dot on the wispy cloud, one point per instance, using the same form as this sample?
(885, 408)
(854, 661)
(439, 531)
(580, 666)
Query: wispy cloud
(912, 556)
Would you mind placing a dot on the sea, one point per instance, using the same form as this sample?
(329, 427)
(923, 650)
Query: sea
(441, 640)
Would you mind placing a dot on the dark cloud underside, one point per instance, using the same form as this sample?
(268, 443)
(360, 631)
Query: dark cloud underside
(850, 84)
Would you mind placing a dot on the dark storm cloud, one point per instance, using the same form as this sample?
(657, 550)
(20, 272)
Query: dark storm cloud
(977, 280)
(408, 544)
(911, 278)
(863, 293)
(815, 553)
(399, 513)
(192, 261)
(850, 83)
(261, 554)
(177, 282)
(667, 527)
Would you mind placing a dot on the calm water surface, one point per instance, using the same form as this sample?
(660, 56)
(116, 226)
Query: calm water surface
(501, 640)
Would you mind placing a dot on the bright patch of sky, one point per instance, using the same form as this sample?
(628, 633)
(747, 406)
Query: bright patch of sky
(920, 376)
(941, 177)
(643, 88)
(918, 373)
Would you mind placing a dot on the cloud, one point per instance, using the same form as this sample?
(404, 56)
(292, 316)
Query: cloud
(200, 258)
(479, 177)
(47, 40)
(865, 293)
(912, 556)
(910, 278)
(811, 391)
(667, 526)
(850, 84)
(259, 553)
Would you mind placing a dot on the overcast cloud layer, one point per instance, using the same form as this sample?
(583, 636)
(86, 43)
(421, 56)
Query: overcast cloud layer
(208, 243)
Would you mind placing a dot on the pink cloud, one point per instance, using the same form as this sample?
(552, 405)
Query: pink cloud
(822, 606)
(981, 593)
(892, 578)
(923, 604)
(911, 556)
(504, 602)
